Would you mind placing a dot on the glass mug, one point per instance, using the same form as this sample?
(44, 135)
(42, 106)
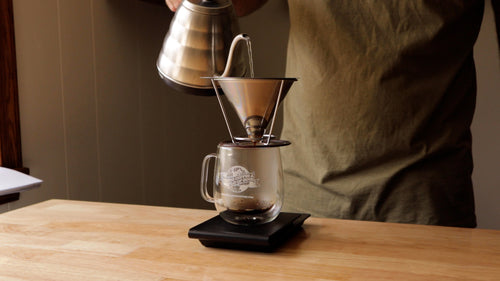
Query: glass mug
(247, 182)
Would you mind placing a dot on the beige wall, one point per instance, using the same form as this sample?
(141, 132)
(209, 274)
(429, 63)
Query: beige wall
(97, 123)
(486, 125)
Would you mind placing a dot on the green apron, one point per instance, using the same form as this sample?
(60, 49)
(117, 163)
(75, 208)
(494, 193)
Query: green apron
(380, 117)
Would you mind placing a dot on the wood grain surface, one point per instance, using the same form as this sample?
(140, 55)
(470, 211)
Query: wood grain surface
(72, 240)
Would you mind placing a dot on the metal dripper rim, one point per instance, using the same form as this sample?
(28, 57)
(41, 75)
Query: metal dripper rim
(246, 143)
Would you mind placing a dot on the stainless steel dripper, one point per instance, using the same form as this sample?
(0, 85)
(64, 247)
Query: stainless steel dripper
(255, 100)
(197, 45)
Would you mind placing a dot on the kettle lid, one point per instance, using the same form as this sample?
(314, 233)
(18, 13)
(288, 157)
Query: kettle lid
(206, 6)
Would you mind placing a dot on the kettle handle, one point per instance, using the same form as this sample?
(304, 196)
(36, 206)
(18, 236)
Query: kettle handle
(204, 178)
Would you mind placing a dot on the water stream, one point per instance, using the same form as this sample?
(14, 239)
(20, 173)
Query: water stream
(250, 57)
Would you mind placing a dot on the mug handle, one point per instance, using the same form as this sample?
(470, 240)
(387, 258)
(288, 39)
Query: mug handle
(204, 178)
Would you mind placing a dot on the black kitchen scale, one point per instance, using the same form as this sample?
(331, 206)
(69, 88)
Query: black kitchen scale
(267, 237)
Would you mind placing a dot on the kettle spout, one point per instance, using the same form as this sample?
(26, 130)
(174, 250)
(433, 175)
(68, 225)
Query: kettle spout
(235, 41)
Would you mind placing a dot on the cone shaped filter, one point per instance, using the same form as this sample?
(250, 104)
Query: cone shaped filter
(255, 100)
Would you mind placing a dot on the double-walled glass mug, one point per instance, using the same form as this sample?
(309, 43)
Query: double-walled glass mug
(247, 182)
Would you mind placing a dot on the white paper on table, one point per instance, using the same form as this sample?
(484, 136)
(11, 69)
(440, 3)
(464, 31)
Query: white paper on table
(12, 181)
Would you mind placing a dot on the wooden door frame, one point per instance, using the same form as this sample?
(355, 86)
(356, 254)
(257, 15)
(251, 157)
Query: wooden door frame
(10, 130)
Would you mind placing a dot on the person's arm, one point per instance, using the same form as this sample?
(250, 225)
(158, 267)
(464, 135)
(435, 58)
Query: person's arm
(241, 7)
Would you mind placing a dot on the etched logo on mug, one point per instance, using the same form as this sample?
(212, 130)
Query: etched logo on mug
(239, 179)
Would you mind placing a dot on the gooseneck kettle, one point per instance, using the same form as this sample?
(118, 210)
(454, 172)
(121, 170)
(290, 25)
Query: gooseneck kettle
(197, 45)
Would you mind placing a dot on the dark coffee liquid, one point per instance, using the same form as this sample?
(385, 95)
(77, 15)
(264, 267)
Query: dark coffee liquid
(247, 216)
(248, 211)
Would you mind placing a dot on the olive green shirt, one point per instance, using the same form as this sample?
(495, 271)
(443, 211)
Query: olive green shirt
(380, 117)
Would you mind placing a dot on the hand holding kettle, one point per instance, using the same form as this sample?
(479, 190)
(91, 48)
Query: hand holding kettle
(173, 4)
(241, 7)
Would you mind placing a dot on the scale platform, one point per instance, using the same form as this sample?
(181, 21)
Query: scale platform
(218, 233)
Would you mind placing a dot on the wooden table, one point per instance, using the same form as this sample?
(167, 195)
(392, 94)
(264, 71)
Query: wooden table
(71, 240)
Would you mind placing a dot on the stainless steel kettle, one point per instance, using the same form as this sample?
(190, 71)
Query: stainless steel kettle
(197, 45)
